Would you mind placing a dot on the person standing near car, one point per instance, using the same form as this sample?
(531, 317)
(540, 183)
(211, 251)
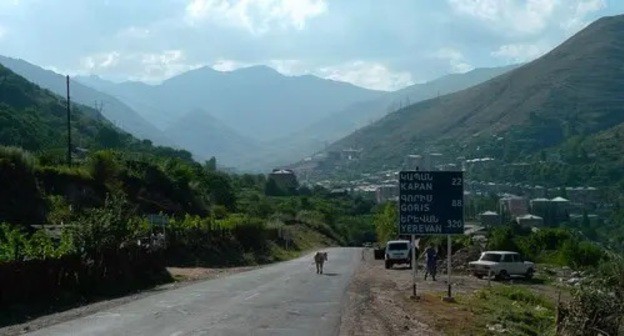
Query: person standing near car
(431, 259)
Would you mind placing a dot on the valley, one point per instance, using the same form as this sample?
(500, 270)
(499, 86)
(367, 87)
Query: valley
(186, 167)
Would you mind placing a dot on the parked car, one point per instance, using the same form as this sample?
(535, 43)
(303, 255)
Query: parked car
(398, 252)
(502, 265)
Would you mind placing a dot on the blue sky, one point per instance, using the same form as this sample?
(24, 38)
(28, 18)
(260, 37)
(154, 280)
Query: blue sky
(379, 44)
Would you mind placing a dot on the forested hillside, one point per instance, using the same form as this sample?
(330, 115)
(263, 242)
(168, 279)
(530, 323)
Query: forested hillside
(577, 89)
(96, 237)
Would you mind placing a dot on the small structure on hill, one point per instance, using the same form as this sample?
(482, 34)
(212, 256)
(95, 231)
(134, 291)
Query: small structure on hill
(281, 182)
(530, 221)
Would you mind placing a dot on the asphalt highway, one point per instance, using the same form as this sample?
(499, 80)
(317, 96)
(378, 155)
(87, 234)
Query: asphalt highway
(287, 298)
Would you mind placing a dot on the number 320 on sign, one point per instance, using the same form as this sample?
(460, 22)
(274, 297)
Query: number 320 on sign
(454, 224)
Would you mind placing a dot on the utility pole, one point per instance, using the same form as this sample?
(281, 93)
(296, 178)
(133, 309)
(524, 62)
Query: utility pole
(69, 142)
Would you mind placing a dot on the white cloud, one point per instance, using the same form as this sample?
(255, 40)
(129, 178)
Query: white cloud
(3, 32)
(456, 59)
(290, 67)
(255, 16)
(520, 52)
(146, 67)
(517, 16)
(581, 9)
(228, 65)
(370, 75)
(100, 61)
(529, 16)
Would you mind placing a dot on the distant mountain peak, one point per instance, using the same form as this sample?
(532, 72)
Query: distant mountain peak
(576, 88)
(259, 71)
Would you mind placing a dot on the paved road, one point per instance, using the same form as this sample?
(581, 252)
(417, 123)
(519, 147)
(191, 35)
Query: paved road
(284, 299)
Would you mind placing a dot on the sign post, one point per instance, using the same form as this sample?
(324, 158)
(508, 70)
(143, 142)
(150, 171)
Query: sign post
(449, 296)
(414, 267)
(431, 203)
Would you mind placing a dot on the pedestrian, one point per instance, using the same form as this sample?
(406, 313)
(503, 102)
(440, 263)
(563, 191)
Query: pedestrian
(431, 259)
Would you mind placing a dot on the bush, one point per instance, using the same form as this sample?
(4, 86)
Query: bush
(104, 167)
(577, 254)
(502, 239)
(598, 304)
(21, 200)
(12, 243)
(251, 233)
(107, 228)
(386, 223)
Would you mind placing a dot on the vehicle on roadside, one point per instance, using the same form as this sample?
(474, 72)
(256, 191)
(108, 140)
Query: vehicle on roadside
(502, 265)
(398, 252)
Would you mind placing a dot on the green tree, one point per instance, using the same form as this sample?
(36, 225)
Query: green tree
(386, 223)
(221, 190)
(107, 137)
(211, 165)
(272, 189)
(105, 229)
(12, 243)
(104, 168)
(502, 238)
(40, 246)
(22, 202)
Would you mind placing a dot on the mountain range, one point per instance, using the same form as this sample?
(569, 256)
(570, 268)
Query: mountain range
(111, 108)
(35, 119)
(346, 121)
(252, 118)
(257, 102)
(576, 90)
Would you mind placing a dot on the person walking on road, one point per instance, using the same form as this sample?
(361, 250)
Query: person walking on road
(431, 258)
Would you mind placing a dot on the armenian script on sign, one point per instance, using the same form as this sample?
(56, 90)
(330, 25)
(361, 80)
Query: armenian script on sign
(431, 202)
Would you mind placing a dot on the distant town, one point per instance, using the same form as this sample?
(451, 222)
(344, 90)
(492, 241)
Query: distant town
(487, 203)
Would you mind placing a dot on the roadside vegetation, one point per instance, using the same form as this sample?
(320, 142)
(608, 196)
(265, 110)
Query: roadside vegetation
(595, 304)
(104, 243)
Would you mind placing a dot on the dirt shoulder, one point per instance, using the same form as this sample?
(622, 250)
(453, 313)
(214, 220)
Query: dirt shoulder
(376, 303)
(379, 302)
(183, 277)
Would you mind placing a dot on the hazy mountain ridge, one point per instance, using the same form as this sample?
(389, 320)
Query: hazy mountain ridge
(257, 102)
(214, 137)
(111, 108)
(341, 123)
(578, 88)
(35, 119)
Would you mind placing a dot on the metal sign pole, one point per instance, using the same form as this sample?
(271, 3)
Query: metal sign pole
(448, 266)
(431, 203)
(414, 267)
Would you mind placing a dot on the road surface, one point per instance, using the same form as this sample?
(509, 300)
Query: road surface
(288, 298)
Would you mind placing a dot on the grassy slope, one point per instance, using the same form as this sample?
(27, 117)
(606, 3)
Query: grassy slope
(578, 86)
(35, 119)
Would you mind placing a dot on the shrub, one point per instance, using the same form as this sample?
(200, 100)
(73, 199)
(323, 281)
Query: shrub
(386, 223)
(12, 243)
(502, 239)
(251, 233)
(19, 192)
(104, 167)
(598, 305)
(107, 228)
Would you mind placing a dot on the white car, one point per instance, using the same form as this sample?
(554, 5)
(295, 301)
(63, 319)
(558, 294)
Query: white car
(502, 265)
(398, 252)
